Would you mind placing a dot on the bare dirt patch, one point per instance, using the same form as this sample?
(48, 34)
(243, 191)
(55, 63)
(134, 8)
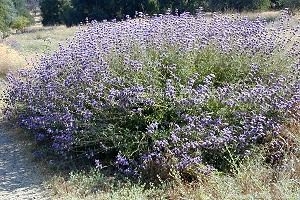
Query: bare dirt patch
(20, 178)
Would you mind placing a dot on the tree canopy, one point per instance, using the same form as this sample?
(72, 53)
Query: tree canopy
(12, 13)
(7, 13)
(75, 11)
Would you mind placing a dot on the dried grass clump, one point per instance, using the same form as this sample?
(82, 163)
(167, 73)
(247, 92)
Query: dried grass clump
(10, 60)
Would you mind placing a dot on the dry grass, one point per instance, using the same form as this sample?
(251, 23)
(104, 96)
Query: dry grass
(40, 39)
(10, 59)
(267, 14)
(254, 179)
(297, 15)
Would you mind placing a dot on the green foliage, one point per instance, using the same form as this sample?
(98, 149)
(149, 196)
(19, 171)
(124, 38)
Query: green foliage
(239, 5)
(7, 13)
(260, 5)
(152, 6)
(50, 12)
(56, 12)
(13, 14)
(32, 5)
(71, 12)
(20, 23)
(66, 12)
(293, 4)
(22, 10)
(20, 7)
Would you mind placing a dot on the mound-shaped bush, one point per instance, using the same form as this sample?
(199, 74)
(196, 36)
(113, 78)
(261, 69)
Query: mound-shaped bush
(148, 96)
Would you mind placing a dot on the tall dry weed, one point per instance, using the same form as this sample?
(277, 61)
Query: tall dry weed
(10, 60)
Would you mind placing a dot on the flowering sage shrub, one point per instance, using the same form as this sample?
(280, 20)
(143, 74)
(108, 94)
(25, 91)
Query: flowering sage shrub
(152, 95)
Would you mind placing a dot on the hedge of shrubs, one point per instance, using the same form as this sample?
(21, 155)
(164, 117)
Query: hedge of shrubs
(150, 95)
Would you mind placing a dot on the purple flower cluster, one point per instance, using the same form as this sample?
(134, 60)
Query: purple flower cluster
(137, 88)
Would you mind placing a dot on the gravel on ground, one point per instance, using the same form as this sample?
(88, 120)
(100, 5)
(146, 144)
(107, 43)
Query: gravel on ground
(20, 178)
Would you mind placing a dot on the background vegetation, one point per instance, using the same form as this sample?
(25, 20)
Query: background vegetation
(71, 12)
(15, 14)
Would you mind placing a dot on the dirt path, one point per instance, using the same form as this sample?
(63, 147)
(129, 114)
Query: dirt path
(19, 177)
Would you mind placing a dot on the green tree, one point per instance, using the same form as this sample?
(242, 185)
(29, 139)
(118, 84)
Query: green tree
(239, 5)
(75, 11)
(32, 5)
(101, 9)
(20, 23)
(151, 7)
(66, 13)
(194, 5)
(50, 12)
(22, 10)
(20, 6)
(7, 14)
(292, 4)
(257, 5)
